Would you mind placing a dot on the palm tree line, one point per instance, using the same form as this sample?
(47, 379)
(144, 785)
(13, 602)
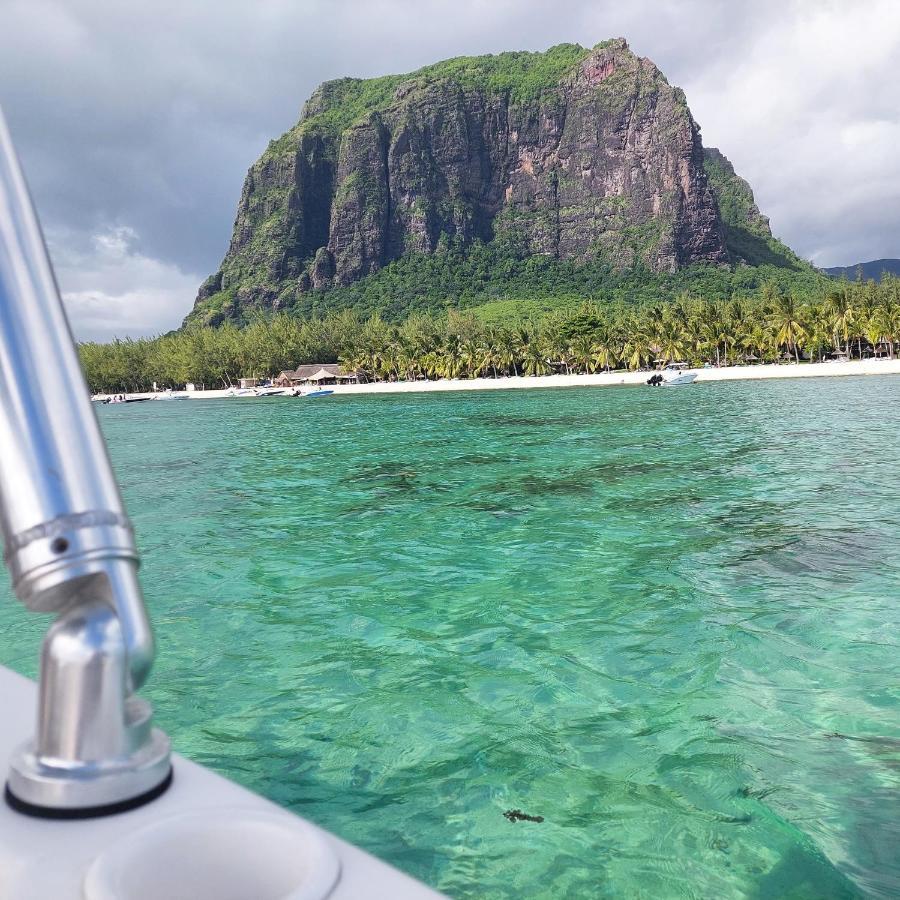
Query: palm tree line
(854, 319)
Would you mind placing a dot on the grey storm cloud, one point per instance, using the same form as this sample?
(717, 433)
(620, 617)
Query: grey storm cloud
(136, 122)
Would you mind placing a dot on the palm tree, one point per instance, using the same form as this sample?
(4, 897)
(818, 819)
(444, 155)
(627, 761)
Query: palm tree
(865, 312)
(711, 329)
(408, 362)
(558, 349)
(471, 358)
(817, 328)
(535, 361)
(787, 321)
(737, 327)
(391, 361)
(452, 364)
(603, 352)
(356, 359)
(883, 326)
(841, 308)
(581, 353)
(431, 363)
(654, 319)
(636, 352)
(670, 339)
(506, 355)
(892, 325)
(489, 348)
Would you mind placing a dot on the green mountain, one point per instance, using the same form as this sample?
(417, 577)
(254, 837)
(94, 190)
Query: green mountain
(518, 179)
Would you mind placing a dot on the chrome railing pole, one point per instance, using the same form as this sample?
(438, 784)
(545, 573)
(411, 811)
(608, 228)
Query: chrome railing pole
(69, 547)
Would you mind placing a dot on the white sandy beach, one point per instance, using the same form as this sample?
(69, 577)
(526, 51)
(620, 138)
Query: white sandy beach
(598, 379)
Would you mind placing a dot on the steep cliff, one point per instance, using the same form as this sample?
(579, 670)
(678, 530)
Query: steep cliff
(574, 154)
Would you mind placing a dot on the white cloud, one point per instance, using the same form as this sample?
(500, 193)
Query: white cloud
(115, 243)
(808, 114)
(110, 289)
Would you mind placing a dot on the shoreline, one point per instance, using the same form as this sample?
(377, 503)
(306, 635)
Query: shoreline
(596, 379)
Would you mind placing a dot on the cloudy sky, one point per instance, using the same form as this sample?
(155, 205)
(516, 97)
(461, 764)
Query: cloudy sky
(136, 121)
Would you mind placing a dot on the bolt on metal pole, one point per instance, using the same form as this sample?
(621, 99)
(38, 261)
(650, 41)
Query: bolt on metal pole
(69, 548)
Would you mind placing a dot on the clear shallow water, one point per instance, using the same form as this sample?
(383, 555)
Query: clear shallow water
(665, 621)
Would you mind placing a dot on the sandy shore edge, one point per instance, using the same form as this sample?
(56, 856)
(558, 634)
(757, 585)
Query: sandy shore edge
(598, 379)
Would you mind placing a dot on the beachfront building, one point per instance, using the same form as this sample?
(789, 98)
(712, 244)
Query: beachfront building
(316, 373)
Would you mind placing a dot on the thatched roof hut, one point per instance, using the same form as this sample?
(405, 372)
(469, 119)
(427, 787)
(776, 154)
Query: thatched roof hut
(320, 373)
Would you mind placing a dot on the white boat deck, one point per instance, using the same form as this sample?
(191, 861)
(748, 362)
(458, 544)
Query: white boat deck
(205, 816)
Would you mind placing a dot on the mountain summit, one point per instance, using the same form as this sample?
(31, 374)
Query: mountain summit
(576, 154)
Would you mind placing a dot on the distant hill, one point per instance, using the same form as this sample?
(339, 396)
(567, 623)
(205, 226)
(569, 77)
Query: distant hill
(869, 270)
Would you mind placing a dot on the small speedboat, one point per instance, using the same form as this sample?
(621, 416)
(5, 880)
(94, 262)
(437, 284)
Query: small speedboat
(673, 375)
(270, 392)
(677, 378)
(172, 395)
(311, 395)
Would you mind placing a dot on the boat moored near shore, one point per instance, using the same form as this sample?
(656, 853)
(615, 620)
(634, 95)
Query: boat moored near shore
(673, 375)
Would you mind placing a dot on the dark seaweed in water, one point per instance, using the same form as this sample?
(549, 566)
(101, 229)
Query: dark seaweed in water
(387, 478)
(380, 470)
(569, 421)
(574, 483)
(516, 815)
(887, 742)
(498, 508)
(480, 459)
(619, 470)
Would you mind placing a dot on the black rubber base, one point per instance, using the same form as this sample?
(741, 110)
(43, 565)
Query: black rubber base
(87, 812)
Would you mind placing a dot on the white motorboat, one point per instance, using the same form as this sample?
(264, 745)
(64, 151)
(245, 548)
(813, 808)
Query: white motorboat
(674, 379)
(257, 392)
(673, 375)
(271, 392)
(172, 395)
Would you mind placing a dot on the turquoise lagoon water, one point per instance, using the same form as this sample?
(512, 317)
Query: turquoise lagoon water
(664, 621)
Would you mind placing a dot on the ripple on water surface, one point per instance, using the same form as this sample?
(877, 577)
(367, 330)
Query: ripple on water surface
(665, 622)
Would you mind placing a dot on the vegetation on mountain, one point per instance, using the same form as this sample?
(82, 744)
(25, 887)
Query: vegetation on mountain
(461, 278)
(586, 336)
(522, 76)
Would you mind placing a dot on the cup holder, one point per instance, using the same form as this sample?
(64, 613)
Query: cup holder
(222, 854)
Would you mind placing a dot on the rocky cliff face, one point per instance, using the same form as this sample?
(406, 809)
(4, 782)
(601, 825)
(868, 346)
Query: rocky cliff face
(578, 154)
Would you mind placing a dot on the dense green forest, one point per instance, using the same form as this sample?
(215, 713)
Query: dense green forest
(462, 277)
(522, 337)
